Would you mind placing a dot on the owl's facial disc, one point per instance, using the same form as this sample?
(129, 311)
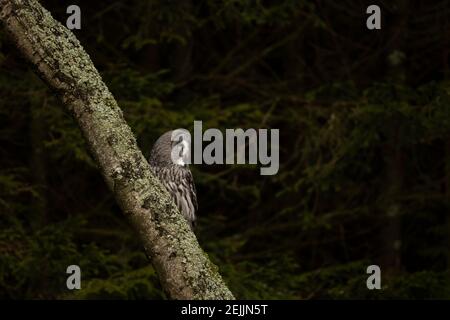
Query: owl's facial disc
(180, 150)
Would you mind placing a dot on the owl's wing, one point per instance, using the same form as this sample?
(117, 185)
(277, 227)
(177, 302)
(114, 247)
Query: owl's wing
(190, 181)
(180, 184)
(186, 195)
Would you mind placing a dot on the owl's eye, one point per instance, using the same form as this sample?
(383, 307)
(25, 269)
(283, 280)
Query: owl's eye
(182, 150)
(177, 141)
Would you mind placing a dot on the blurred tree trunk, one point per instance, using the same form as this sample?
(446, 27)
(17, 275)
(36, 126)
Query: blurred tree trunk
(184, 269)
(294, 64)
(181, 55)
(149, 59)
(181, 50)
(447, 197)
(393, 154)
(38, 160)
(391, 254)
(446, 146)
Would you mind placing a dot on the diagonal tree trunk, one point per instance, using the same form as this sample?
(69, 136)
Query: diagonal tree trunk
(184, 269)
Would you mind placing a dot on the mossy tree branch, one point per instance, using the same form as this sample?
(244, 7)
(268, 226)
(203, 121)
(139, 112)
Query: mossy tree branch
(184, 269)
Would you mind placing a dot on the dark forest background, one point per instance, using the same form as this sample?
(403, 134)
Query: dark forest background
(364, 119)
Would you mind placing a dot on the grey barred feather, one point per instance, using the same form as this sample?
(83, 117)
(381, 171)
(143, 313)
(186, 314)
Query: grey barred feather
(176, 178)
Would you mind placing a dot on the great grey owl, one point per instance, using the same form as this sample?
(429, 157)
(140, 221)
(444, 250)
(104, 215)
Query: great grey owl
(169, 162)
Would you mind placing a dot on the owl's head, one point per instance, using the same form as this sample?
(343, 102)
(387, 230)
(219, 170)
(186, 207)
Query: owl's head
(172, 148)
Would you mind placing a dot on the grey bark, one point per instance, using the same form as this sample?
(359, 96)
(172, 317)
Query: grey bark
(185, 271)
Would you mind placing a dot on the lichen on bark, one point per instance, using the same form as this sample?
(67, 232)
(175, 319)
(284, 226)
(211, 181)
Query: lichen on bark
(57, 56)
